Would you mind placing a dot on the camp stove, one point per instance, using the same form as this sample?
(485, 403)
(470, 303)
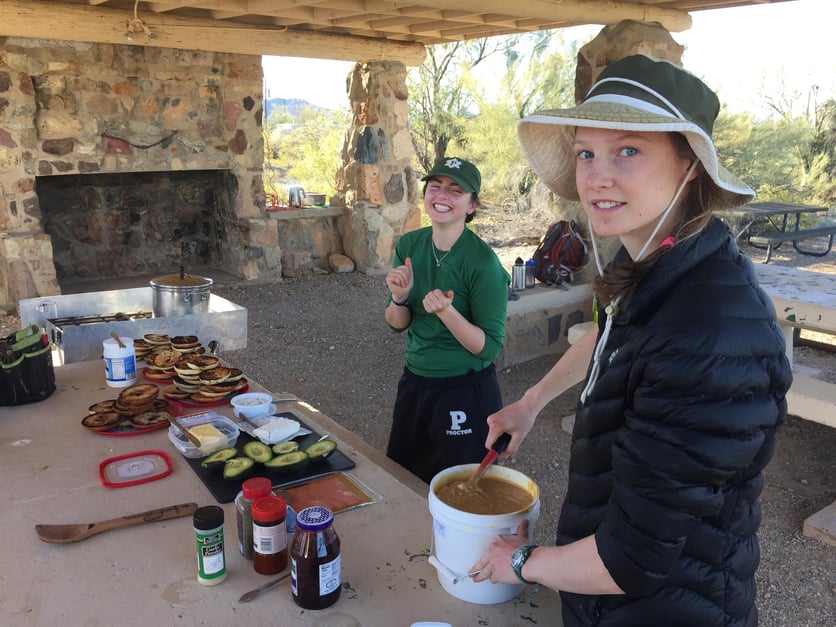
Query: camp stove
(77, 324)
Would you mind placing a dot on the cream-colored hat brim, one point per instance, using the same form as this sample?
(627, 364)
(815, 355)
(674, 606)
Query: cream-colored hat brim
(547, 139)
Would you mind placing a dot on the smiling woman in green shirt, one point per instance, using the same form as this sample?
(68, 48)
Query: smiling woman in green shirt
(449, 292)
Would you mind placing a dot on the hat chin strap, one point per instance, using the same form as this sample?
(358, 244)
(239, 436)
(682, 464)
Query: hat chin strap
(658, 226)
(612, 308)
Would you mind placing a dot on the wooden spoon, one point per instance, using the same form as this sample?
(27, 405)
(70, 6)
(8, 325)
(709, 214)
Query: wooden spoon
(118, 339)
(189, 435)
(63, 534)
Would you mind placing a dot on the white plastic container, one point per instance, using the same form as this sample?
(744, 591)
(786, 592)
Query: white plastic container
(252, 404)
(461, 538)
(120, 363)
(229, 430)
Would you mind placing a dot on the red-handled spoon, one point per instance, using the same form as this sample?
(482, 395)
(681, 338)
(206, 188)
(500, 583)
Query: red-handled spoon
(500, 445)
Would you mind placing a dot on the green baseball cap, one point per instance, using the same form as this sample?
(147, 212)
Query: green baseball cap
(465, 174)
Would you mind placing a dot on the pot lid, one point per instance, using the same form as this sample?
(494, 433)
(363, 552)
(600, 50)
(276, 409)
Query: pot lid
(181, 280)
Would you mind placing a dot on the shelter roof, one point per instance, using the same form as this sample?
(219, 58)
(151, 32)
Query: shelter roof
(352, 30)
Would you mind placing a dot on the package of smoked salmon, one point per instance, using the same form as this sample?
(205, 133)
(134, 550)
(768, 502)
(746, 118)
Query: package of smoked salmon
(338, 492)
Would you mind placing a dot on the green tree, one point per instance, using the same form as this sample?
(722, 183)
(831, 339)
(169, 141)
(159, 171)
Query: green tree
(439, 102)
(767, 154)
(821, 159)
(305, 152)
(539, 78)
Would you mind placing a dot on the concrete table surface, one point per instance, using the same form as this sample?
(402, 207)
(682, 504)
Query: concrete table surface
(146, 574)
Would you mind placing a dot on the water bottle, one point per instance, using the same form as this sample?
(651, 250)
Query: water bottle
(518, 275)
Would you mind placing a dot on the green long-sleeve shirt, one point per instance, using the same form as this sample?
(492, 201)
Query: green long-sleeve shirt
(480, 286)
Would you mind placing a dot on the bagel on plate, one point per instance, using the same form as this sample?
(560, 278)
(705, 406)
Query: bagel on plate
(138, 395)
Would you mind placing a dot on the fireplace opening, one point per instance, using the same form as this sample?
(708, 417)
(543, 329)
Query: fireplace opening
(107, 226)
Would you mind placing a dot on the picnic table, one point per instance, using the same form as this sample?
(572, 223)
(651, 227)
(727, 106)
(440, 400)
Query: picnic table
(783, 222)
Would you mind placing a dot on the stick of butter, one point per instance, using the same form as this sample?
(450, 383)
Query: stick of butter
(208, 435)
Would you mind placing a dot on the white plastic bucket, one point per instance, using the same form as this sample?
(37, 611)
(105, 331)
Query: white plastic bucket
(461, 538)
(120, 363)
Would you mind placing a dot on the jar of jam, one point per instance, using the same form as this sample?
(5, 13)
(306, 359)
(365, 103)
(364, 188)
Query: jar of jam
(269, 535)
(315, 559)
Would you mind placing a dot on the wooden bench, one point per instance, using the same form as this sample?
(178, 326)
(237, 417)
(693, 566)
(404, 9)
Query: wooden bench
(806, 300)
(770, 240)
(538, 323)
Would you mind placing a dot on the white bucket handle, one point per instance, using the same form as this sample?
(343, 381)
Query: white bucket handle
(441, 568)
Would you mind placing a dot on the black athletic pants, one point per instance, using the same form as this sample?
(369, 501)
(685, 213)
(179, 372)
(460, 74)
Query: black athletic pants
(441, 422)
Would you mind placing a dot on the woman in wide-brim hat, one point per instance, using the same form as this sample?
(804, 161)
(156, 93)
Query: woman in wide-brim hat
(686, 374)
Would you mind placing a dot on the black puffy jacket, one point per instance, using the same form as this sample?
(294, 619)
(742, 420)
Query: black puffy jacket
(669, 448)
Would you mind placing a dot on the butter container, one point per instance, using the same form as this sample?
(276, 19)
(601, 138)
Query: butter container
(229, 434)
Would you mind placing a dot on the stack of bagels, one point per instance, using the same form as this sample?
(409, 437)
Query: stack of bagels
(203, 379)
(137, 406)
(164, 352)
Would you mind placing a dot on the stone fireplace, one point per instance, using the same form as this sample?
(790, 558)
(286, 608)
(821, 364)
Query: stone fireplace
(127, 161)
(127, 224)
(123, 160)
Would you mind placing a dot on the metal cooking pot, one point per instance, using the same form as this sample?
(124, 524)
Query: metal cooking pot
(296, 196)
(179, 294)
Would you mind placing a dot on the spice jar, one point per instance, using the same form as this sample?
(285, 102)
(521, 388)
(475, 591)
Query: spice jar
(251, 490)
(208, 524)
(315, 559)
(269, 535)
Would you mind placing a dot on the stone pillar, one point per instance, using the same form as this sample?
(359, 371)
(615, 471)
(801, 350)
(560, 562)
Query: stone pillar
(619, 40)
(375, 182)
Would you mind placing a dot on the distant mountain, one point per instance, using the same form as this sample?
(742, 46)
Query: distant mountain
(293, 106)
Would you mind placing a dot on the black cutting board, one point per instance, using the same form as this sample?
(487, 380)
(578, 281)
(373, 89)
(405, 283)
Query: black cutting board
(225, 490)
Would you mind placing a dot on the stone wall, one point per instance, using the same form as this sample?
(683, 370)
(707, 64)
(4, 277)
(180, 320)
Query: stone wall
(75, 108)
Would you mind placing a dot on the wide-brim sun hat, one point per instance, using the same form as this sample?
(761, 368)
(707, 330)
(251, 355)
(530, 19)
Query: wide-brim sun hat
(636, 93)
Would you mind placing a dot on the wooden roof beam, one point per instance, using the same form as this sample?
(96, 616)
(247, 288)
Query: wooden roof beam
(577, 11)
(52, 20)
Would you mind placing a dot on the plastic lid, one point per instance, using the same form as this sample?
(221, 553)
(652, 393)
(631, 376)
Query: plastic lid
(208, 517)
(256, 487)
(314, 518)
(134, 468)
(269, 508)
(186, 280)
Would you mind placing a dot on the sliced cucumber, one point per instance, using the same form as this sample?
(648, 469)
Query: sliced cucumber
(321, 449)
(258, 452)
(288, 461)
(237, 467)
(285, 447)
(216, 460)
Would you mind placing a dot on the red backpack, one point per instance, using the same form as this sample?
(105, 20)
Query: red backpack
(560, 252)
